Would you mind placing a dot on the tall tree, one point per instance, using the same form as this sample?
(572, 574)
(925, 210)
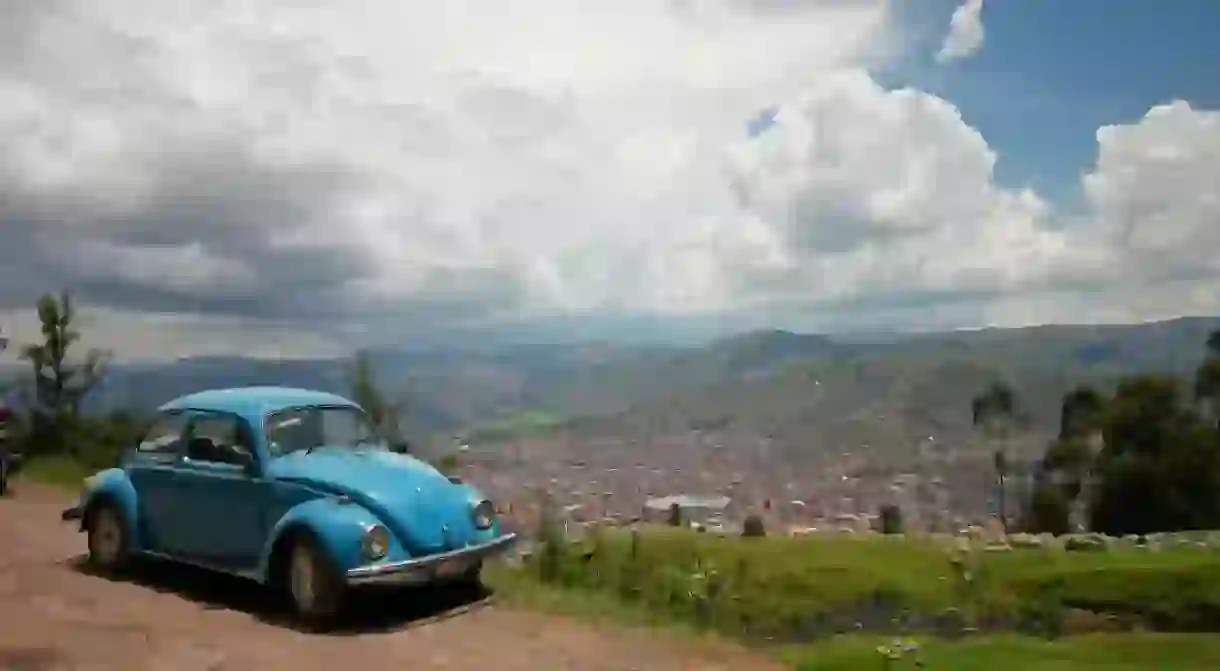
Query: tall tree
(994, 412)
(1081, 412)
(1160, 467)
(59, 385)
(368, 395)
(1069, 459)
(1207, 378)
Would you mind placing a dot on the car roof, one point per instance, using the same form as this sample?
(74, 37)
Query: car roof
(254, 403)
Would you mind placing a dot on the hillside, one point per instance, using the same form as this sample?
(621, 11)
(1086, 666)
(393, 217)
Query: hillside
(807, 392)
(813, 395)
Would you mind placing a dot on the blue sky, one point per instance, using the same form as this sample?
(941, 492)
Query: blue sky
(1051, 72)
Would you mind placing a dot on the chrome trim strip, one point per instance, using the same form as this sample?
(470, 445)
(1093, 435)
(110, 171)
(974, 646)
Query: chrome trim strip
(422, 569)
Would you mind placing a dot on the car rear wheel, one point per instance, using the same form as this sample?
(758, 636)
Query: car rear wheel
(108, 542)
(313, 584)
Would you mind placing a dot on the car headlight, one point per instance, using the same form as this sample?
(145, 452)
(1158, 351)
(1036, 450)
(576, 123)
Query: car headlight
(484, 514)
(375, 543)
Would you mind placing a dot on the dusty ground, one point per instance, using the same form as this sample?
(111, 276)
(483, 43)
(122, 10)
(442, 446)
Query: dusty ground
(55, 615)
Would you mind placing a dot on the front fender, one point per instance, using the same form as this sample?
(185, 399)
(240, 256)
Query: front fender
(113, 485)
(337, 524)
(475, 495)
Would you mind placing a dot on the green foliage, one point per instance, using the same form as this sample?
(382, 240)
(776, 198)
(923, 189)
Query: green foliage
(839, 603)
(1160, 467)
(1081, 412)
(58, 384)
(56, 387)
(890, 517)
(802, 589)
(1068, 462)
(764, 586)
(1098, 652)
(675, 515)
(366, 393)
(995, 408)
(448, 463)
(753, 527)
(994, 411)
(1049, 510)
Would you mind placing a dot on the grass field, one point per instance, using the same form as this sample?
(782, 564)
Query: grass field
(57, 471)
(1097, 652)
(828, 603)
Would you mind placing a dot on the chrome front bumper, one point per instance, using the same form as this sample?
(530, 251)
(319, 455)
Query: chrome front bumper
(440, 566)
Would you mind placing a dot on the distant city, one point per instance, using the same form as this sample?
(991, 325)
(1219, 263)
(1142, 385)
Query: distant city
(717, 480)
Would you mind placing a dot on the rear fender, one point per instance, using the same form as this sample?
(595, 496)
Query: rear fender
(114, 486)
(336, 523)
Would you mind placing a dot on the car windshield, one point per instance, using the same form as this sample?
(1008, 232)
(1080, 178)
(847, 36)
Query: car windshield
(310, 427)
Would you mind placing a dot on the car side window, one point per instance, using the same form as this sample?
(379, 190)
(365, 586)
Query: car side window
(219, 438)
(164, 437)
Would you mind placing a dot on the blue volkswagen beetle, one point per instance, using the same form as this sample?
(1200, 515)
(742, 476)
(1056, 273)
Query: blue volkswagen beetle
(291, 488)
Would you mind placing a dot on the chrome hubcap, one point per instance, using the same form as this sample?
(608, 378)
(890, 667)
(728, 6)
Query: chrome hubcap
(106, 537)
(302, 578)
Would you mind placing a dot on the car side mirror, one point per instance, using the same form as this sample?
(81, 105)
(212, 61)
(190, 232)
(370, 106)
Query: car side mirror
(400, 447)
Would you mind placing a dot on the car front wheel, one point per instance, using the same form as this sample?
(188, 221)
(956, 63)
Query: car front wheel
(314, 586)
(108, 542)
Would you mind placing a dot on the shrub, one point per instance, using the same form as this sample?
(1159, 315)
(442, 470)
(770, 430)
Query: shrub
(675, 515)
(753, 527)
(890, 520)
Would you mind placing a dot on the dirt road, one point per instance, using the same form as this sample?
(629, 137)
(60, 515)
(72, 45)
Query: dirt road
(55, 615)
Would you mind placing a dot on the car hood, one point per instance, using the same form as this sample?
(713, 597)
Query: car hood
(419, 505)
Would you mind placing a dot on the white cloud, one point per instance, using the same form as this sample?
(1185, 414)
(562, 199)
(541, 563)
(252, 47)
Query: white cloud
(966, 32)
(1155, 192)
(887, 192)
(393, 156)
(391, 168)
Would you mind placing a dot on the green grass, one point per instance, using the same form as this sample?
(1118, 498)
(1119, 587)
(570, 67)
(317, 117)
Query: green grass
(780, 592)
(1127, 651)
(56, 471)
(1099, 652)
(519, 423)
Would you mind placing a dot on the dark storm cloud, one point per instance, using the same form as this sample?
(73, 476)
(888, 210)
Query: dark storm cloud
(199, 186)
(213, 197)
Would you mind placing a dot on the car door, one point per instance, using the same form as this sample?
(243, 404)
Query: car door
(152, 469)
(219, 492)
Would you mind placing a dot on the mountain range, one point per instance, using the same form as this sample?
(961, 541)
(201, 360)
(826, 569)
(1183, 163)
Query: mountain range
(807, 393)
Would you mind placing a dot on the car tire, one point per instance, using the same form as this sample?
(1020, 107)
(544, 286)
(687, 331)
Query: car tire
(313, 583)
(109, 545)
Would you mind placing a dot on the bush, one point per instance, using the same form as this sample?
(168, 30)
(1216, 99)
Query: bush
(675, 515)
(1049, 511)
(753, 527)
(890, 520)
(1085, 543)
